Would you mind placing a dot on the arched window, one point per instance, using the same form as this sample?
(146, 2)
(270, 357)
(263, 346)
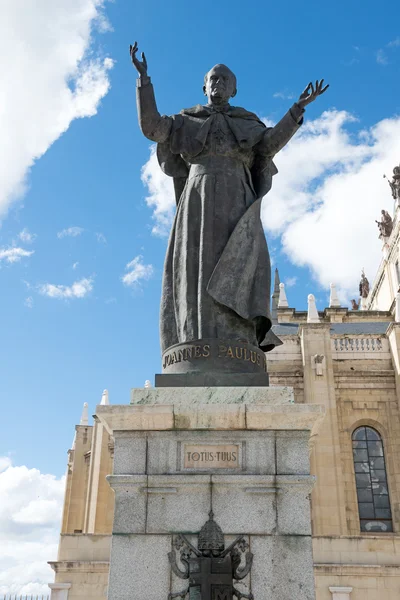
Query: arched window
(371, 481)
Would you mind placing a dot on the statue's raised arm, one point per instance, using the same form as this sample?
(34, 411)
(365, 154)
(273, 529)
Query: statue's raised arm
(155, 127)
(141, 67)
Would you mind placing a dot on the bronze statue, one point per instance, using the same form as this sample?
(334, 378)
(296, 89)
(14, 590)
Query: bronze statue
(216, 282)
(354, 305)
(395, 183)
(385, 225)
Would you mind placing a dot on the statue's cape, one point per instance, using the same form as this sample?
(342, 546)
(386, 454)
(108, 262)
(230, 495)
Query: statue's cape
(245, 257)
(189, 134)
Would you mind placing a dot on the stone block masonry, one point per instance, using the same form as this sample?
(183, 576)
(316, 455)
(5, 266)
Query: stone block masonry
(247, 461)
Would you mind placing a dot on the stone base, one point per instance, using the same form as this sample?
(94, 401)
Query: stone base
(212, 379)
(247, 459)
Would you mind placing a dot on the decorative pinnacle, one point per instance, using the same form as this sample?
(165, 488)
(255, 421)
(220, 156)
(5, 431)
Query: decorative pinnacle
(104, 398)
(276, 282)
(85, 415)
(275, 299)
(282, 302)
(334, 301)
(312, 315)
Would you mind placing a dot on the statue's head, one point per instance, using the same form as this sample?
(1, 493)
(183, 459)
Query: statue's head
(219, 85)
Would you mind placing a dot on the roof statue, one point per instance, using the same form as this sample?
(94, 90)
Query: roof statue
(395, 183)
(385, 225)
(217, 273)
(364, 286)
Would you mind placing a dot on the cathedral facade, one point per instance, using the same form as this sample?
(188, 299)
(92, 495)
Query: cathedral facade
(349, 362)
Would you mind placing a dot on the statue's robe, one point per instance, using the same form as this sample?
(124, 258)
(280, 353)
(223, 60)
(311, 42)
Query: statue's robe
(217, 271)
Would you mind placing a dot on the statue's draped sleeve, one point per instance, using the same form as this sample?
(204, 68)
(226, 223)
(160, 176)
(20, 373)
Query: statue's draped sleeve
(154, 126)
(275, 138)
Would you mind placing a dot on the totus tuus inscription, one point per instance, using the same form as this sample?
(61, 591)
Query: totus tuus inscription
(214, 355)
(211, 456)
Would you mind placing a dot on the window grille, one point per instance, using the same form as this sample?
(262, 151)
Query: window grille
(371, 481)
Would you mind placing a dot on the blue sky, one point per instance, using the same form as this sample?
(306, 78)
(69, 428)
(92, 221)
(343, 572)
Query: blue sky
(57, 353)
(82, 201)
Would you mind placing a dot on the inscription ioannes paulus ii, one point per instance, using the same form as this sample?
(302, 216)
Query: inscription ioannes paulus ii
(208, 456)
(208, 352)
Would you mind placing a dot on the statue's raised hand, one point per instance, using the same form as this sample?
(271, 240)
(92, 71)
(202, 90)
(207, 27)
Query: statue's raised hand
(141, 66)
(311, 93)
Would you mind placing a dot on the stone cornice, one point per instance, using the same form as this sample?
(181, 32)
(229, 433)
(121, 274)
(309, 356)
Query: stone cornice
(161, 417)
(325, 326)
(80, 566)
(392, 327)
(354, 569)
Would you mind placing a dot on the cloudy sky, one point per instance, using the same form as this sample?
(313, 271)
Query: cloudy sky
(85, 211)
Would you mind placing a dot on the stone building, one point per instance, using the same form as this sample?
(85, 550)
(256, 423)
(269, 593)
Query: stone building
(347, 360)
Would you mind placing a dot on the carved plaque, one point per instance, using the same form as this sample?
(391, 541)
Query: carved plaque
(211, 456)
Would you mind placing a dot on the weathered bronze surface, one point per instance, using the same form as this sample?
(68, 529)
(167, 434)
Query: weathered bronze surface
(210, 568)
(228, 356)
(217, 272)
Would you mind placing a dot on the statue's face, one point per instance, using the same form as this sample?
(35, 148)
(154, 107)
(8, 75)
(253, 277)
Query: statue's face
(220, 85)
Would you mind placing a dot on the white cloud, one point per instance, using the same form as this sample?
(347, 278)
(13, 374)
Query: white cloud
(268, 122)
(30, 513)
(79, 289)
(5, 462)
(137, 271)
(26, 236)
(55, 76)
(29, 302)
(101, 238)
(325, 199)
(161, 196)
(70, 232)
(75, 265)
(14, 254)
(327, 195)
(284, 95)
(381, 57)
(394, 43)
(290, 282)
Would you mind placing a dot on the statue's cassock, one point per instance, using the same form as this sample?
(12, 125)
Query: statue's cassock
(217, 270)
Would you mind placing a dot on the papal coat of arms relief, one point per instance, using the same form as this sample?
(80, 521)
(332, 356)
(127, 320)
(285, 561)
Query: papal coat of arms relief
(210, 569)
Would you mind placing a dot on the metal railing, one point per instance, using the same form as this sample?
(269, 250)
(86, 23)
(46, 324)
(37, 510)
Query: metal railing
(24, 597)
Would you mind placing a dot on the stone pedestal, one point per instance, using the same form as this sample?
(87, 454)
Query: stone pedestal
(59, 591)
(242, 452)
